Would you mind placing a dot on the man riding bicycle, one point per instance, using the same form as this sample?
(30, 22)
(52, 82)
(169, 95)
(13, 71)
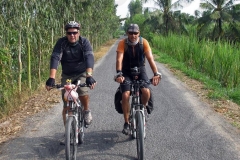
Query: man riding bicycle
(134, 56)
(77, 61)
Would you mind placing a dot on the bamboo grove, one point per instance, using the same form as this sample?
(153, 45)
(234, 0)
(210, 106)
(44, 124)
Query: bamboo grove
(29, 30)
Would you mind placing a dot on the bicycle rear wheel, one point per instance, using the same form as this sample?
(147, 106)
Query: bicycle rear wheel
(70, 139)
(140, 135)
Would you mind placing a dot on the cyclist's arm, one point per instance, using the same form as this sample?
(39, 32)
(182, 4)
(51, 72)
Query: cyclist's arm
(89, 57)
(149, 56)
(89, 63)
(151, 61)
(120, 54)
(119, 59)
(53, 73)
(55, 58)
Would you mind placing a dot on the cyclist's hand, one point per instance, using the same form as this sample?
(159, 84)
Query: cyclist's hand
(90, 82)
(49, 83)
(119, 78)
(156, 80)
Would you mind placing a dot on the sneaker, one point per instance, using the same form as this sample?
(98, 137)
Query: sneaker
(88, 117)
(126, 128)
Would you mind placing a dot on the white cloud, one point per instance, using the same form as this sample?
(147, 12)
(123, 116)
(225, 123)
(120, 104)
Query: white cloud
(122, 9)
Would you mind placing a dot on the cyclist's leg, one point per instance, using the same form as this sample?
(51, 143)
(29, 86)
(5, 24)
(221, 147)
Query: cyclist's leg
(145, 96)
(145, 90)
(125, 106)
(125, 99)
(84, 97)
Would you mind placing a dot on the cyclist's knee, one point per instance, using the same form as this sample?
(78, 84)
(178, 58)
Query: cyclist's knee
(125, 95)
(145, 91)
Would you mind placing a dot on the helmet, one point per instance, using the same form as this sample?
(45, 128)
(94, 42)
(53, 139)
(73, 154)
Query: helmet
(72, 24)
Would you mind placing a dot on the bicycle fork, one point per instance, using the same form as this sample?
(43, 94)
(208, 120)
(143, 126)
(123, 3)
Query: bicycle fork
(75, 118)
(134, 119)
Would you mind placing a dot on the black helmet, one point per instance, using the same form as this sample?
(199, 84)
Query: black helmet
(72, 24)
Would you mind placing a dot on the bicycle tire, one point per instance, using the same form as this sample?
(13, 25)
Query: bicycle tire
(140, 135)
(70, 139)
(132, 125)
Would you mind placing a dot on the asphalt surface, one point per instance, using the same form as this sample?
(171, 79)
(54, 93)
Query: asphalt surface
(181, 127)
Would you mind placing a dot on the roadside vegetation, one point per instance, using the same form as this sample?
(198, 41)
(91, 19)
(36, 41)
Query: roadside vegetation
(216, 64)
(28, 32)
(204, 46)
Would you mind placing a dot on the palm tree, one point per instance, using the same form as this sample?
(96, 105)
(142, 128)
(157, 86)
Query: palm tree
(135, 7)
(217, 13)
(167, 7)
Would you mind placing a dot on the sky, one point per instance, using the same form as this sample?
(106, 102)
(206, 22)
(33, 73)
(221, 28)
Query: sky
(122, 8)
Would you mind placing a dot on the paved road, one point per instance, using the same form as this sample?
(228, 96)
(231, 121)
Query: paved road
(180, 128)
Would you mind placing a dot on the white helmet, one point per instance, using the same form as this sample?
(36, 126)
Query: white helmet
(72, 24)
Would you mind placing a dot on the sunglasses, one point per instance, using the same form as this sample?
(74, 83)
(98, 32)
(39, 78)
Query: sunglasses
(70, 33)
(131, 33)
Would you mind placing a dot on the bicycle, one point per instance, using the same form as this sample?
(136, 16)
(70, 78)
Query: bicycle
(74, 127)
(137, 117)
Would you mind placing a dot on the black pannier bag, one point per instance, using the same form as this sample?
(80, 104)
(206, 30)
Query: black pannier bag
(118, 101)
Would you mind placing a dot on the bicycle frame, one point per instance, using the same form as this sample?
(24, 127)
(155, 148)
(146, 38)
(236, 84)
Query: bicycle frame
(73, 104)
(136, 105)
(137, 117)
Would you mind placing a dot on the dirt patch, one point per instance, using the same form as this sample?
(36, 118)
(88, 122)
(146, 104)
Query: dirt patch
(11, 126)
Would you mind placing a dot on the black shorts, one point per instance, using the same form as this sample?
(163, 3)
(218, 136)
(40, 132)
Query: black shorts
(127, 75)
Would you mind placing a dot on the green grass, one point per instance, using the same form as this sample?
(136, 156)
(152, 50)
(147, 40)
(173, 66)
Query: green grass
(215, 64)
(217, 90)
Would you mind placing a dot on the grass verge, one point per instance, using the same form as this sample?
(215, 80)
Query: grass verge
(223, 101)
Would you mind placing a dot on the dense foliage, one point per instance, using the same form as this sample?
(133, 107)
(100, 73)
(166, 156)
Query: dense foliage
(207, 42)
(29, 30)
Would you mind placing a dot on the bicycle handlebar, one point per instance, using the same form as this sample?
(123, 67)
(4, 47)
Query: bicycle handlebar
(60, 86)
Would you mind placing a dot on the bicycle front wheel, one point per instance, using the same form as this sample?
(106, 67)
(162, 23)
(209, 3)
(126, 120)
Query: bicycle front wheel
(70, 139)
(140, 135)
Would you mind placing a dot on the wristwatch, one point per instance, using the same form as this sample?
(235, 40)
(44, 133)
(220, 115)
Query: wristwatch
(158, 74)
(89, 73)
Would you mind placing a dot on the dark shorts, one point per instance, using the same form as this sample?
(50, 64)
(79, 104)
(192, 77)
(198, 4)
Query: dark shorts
(127, 75)
(82, 91)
